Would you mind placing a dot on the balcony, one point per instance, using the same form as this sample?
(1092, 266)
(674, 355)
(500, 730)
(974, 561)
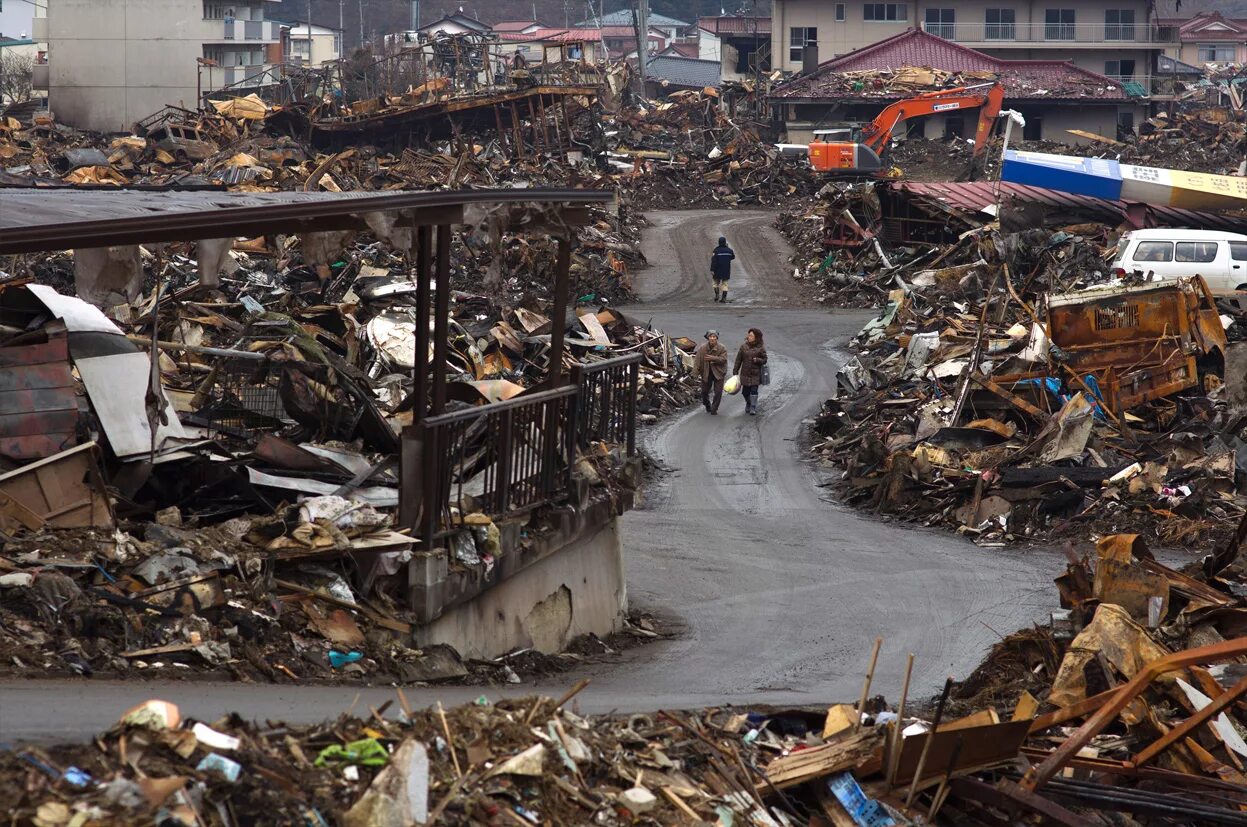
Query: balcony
(1045, 35)
(248, 31)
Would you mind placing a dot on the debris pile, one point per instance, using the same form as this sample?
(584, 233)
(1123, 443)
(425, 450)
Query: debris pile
(685, 152)
(1048, 405)
(1125, 707)
(229, 504)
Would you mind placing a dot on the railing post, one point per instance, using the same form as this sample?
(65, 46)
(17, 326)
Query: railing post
(634, 371)
(431, 483)
(505, 447)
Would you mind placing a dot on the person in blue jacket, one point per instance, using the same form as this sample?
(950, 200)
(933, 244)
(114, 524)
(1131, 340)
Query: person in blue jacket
(721, 269)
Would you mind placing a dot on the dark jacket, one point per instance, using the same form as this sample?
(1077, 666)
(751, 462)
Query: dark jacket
(749, 362)
(710, 360)
(721, 261)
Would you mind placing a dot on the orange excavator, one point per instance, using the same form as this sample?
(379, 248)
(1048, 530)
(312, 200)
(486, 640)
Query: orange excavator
(861, 154)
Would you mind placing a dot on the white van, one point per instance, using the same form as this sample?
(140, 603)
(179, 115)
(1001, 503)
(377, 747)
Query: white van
(1221, 258)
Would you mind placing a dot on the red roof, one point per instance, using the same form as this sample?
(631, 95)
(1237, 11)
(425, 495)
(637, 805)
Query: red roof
(514, 25)
(1210, 26)
(1045, 79)
(552, 35)
(684, 49)
(735, 25)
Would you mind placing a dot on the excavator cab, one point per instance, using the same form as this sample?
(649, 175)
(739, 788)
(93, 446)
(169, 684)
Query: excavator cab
(840, 151)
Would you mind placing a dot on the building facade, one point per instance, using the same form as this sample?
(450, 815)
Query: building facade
(1205, 39)
(323, 45)
(1109, 37)
(113, 62)
(1054, 96)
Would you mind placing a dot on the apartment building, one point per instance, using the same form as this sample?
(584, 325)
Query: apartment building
(113, 62)
(1208, 38)
(1109, 37)
(315, 48)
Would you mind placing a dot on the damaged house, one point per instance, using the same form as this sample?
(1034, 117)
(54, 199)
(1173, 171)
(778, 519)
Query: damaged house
(1054, 96)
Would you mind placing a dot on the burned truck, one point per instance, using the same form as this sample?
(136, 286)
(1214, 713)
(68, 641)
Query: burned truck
(1136, 343)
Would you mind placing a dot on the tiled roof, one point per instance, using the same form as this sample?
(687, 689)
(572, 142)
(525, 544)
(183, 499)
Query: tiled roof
(552, 35)
(623, 17)
(735, 25)
(1208, 27)
(629, 31)
(514, 25)
(683, 50)
(1022, 79)
(683, 71)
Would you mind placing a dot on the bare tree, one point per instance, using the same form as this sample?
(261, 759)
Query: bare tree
(16, 77)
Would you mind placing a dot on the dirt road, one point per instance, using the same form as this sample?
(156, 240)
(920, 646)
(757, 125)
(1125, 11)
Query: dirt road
(780, 594)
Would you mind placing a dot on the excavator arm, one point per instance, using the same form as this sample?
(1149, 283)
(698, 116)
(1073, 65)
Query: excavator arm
(989, 100)
(864, 156)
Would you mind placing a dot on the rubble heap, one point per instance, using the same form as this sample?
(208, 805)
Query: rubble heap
(1138, 657)
(261, 542)
(958, 405)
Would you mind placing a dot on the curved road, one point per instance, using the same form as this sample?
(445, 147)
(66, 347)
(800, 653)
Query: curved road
(779, 593)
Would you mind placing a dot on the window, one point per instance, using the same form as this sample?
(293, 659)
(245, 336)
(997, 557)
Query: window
(1200, 252)
(1216, 52)
(1033, 131)
(1000, 24)
(1125, 124)
(839, 12)
(798, 38)
(1238, 250)
(1119, 69)
(1119, 24)
(940, 22)
(885, 12)
(214, 11)
(1154, 251)
(1058, 24)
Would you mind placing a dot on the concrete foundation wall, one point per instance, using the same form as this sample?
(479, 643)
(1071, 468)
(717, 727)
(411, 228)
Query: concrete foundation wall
(576, 591)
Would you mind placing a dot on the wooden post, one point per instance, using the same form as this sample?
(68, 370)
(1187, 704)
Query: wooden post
(870, 676)
(894, 751)
(926, 747)
(441, 319)
(424, 268)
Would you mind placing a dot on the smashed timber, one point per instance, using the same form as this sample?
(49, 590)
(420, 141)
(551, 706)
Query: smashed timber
(439, 119)
(1022, 477)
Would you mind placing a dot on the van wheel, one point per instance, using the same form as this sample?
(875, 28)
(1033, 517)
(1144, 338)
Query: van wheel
(1241, 287)
(1211, 368)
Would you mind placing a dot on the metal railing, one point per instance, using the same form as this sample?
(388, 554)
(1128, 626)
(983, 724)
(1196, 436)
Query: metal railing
(607, 404)
(509, 456)
(1043, 32)
(517, 455)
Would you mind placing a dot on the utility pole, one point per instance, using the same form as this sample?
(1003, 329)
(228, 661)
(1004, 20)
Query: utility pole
(341, 19)
(361, 24)
(642, 40)
(309, 32)
(415, 15)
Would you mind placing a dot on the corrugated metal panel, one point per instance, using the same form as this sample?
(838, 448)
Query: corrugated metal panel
(38, 405)
(973, 196)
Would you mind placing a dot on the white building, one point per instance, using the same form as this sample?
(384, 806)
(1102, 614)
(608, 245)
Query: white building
(323, 46)
(113, 62)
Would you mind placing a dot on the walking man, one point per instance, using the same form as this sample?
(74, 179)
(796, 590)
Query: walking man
(710, 364)
(721, 269)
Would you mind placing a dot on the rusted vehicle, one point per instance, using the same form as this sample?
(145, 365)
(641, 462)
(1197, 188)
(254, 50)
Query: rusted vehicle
(1140, 342)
